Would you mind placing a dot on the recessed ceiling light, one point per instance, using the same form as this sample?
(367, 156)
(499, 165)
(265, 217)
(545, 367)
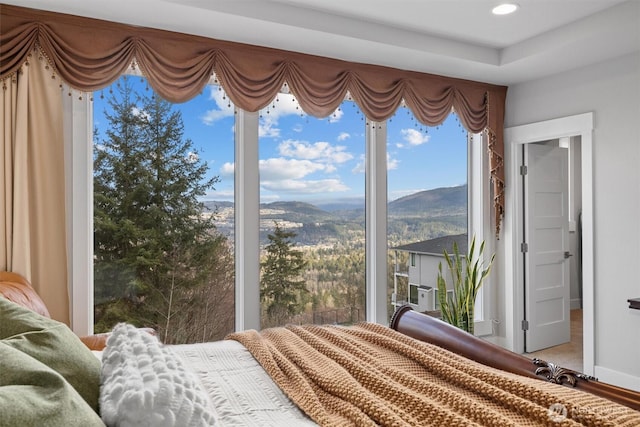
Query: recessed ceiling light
(504, 9)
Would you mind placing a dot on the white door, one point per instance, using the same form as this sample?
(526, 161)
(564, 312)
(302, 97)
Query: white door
(546, 246)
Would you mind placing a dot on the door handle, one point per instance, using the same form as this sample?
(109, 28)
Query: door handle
(567, 254)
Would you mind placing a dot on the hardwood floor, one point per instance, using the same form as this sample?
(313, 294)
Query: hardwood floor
(567, 355)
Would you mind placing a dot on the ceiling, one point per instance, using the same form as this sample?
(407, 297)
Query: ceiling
(459, 38)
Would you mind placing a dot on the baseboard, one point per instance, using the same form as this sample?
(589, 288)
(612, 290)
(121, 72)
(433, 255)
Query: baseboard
(575, 304)
(620, 379)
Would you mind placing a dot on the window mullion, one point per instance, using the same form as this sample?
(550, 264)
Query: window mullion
(376, 223)
(479, 204)
(247, 221)
(78, 125)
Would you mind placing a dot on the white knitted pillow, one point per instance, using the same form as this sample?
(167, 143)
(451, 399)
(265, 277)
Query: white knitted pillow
(143, 383)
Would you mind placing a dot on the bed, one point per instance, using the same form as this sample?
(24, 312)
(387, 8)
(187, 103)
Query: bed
(417, 371)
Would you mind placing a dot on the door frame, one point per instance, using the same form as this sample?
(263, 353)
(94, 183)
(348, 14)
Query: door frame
(579, 125)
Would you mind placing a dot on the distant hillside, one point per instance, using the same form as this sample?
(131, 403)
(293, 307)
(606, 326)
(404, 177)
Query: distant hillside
(432, 203)
(352, 203)
(294, 211)
(213, 205)
(420, 216)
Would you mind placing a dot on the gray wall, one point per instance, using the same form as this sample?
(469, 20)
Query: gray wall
(610, 90)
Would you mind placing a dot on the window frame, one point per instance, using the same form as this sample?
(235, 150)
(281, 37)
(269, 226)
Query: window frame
(78, 143)
(78, 124)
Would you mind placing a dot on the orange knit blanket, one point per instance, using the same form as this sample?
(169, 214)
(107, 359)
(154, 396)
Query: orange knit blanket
(369, 375)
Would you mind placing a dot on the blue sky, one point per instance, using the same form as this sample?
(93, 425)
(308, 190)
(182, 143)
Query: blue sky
(317, 160)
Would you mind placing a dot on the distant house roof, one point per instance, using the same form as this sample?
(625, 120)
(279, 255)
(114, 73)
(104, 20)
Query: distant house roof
(437, 246)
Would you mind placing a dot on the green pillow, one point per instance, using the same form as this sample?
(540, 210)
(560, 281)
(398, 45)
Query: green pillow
(53, 344)
(32, 394)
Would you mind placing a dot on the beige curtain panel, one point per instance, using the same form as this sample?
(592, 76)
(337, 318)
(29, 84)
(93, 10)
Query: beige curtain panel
(32, 185)
(89, 54)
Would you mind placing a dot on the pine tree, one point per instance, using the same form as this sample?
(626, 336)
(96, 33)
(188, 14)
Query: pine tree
(282, 292)
(154, 251)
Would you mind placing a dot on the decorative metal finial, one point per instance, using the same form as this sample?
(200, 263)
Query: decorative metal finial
(559, 375)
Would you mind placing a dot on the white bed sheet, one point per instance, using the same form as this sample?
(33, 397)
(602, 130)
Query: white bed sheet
(241, 391)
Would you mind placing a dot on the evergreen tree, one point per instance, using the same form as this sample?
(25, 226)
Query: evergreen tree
(282, 292)
(154, 251)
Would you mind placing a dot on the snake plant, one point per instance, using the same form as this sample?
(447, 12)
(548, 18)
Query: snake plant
(467, 275)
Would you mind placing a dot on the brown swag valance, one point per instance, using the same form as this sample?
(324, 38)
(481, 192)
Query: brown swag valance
(89, 54)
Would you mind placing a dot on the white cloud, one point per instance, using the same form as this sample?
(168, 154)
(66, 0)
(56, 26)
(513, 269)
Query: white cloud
(224, 110)
(343, 136)
(269, 116)
(335, 116)
(285, 105)
(330, 169)
(268, 198)
(226, 195)
(304, 186)
(392, 163)
(227, 169)
(267, 128)
(192, 157)
(414, 137)
(139, 113)
(321, 151)
(360, 167)
(279, 168)
(212, 116)
(286, 175)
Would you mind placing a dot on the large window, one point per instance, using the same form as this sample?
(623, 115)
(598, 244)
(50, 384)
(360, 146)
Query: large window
(375, 159)
(163, 212)
(312, 230)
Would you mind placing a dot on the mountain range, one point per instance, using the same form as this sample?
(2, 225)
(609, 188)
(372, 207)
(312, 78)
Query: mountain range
(418, 216)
